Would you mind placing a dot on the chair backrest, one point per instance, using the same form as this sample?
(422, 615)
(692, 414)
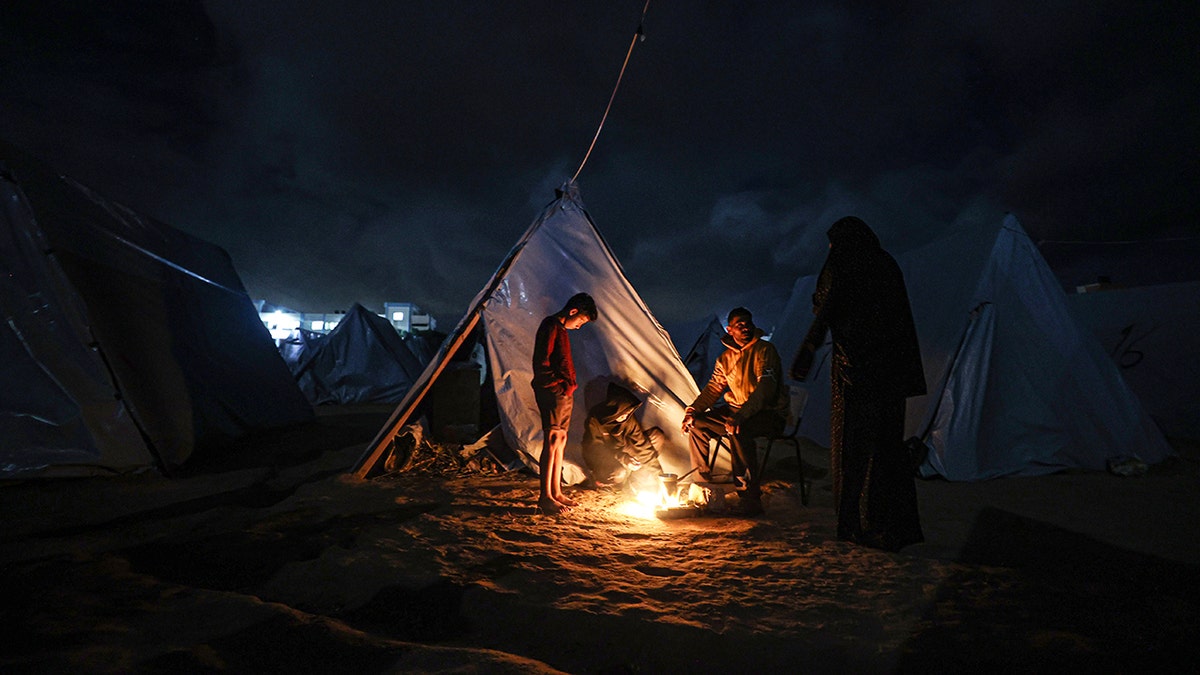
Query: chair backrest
(798, 400)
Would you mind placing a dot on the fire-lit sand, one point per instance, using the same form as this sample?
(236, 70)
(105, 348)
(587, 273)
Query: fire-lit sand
(276, 561)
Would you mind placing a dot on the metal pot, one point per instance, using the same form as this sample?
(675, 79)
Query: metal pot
(669, 483)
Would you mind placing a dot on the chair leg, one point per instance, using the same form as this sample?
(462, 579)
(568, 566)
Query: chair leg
(716, 446)
(804, 487)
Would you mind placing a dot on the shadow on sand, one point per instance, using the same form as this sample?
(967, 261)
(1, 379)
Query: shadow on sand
(1059, 601)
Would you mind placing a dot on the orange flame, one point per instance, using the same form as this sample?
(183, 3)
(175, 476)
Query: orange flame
(646, 501)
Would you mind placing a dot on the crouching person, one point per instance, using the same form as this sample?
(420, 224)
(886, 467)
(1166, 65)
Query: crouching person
(615, 446)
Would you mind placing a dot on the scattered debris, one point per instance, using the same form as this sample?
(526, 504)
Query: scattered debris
(412, 452)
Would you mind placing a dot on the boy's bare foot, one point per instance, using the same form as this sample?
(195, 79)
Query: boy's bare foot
(565, 500)
(550, 507)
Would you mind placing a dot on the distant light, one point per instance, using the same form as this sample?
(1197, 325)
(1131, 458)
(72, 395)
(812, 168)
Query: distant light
(397, 316)
(318, 325)
(331, 325)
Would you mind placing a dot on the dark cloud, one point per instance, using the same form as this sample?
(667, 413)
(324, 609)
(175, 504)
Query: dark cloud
(363, 151)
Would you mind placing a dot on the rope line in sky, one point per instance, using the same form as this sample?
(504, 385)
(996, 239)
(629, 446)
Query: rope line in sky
(637, 37)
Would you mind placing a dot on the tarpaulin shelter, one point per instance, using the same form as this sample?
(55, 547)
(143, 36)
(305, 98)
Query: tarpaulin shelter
(362, 360)
(560, 254)
(126, 343)
(1017, 386)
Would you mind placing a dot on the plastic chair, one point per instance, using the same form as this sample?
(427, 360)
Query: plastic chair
(787, 435)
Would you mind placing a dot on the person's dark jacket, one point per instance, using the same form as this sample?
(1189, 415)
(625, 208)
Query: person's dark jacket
(608, 440)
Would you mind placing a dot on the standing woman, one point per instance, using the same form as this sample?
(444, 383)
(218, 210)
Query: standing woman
(876, 364)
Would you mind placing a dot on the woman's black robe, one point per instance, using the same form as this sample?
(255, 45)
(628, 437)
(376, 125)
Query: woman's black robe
(861, 300)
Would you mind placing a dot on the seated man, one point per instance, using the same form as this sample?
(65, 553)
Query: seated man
(615, 446)
(745, 397)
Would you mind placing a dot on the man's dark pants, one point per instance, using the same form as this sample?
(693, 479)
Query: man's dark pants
(711, 424)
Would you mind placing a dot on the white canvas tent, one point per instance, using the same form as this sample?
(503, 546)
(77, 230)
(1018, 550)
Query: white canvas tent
(362, 360)
(1141, 299)
(1017, 386)
(1152, 335)
(561, 253)
(125, 344)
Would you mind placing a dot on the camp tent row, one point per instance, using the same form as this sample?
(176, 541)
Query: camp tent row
(126, 343)
(1017, 386)
(560, 254)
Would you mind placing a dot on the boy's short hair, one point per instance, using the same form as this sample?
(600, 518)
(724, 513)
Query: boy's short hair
(584, 303)
(736, 312)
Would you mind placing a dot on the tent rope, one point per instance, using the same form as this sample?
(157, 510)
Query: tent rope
(638, 36)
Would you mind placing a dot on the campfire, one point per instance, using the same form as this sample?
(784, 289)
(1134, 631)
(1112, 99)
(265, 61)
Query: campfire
(660, 500)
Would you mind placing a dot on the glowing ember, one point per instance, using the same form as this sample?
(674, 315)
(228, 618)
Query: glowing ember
(636, 509)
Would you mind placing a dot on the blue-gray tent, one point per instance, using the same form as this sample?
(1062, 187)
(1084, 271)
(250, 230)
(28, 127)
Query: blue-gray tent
(362, 360)
(1141, 299)
(126, 343)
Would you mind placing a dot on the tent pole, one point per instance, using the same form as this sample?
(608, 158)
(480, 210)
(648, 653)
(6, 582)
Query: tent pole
(414, 397)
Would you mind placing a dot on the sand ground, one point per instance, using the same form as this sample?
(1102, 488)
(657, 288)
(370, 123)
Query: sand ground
(272, 559)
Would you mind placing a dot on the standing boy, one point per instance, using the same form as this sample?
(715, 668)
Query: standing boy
(554, 390)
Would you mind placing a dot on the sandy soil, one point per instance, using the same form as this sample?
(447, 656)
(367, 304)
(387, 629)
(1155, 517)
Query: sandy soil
(272, 559)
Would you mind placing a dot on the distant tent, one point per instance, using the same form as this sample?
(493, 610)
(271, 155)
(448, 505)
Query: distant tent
(1141, 299)
(561, 253)
(299, 344)
(1122, 264)
(126, 344)
(1152, 335)
(1017, 386)
(700, 344)
(424, 345)
(362, 360)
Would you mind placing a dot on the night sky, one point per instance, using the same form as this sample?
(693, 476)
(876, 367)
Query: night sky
(350, 151)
